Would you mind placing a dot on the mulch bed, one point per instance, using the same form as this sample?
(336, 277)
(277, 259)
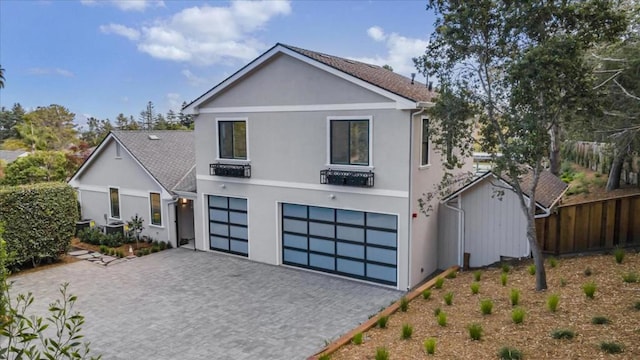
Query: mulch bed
(614, 299)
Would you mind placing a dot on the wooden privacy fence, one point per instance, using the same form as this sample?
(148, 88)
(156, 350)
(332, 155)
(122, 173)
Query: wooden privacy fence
(590, 226)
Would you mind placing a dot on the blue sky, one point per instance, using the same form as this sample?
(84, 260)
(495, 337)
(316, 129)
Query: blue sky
(100, 58)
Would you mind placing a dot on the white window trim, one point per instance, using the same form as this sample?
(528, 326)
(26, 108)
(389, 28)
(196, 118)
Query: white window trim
(232, 161)
(428, 164)
(119, 203)
(151, 211)
(370, 167)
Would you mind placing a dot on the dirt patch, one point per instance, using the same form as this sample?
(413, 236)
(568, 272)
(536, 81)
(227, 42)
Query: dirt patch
(593, 185)
(614, 299)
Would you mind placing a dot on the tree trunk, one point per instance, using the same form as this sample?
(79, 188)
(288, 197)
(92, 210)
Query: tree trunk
(538, 260)
(554, 150)
(616, 169)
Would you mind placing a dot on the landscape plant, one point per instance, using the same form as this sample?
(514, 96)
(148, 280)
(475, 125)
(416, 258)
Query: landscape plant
(517, 315)
(442, 319)
(439, 282)
(630, 277)
(407, 331)
(600, 320)
(475, 288)
(426, 294)
(486, 306)
(475, 331)
(430, 346)
(382, 321)
(563, 334)
(552, 302)
(553, 262)
(382, 353)
(611, 347)
(618, 254)
(514, 296)
(448, 298)
(404, 304)
(589, 289)
(531, 269)
(503, 279)
(357, 338)
(477, 275)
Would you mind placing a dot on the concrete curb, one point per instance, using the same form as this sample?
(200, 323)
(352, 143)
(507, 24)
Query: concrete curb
(346, 338)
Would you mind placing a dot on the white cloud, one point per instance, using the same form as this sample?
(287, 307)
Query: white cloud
(129, 33)
(208, 34)
(51, 71)
(126, 5)
(193, 79)
(400, 50)
(174, 101)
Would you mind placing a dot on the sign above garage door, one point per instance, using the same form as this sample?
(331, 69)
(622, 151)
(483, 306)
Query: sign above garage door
(357, 244)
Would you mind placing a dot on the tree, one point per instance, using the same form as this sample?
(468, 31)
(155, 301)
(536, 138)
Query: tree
(40, 166)
(515, 75)
(126, 123)
(147, 116)
(185, 120)
(48, 128)
(387, 67)
(8, 121)
(97, 130)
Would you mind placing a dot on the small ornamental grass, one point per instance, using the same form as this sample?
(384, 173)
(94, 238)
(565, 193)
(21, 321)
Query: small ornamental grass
(357, 339)
(589, 289)
(508, 353)
(563, 334)
(382, 321)
(430, 346)
(588, 272)
(452, 275)
(407, 331)
(325, 357)
(552, 302)
(437, 311)
(503, 279)
(611, 347)
(382, 353)
(630, 277)
(618, 254)
(426, 294)
(514, 296)
(439, 283)
(442, 319)
(600, 320)
(475, 287)
(563, 282)
(517, 315)
(448, 298)
(486, 306)
(404, 304)
(477, 275)
(505, 268)
(531, 269)
(553, 262)
(475, 331)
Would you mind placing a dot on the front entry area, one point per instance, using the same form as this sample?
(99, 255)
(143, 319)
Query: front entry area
(356, 244)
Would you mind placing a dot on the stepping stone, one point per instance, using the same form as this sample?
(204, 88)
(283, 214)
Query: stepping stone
(108, 259)
(85, 256)
(96, 255)
(93, 259)
(78, 252)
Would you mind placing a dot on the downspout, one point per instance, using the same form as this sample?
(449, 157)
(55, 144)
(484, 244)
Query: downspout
(409, 213)
(460, 212)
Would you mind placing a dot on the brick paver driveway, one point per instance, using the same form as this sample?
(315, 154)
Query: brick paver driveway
(181, 304)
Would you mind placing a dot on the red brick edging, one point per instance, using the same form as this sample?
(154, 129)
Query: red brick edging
(346, 338)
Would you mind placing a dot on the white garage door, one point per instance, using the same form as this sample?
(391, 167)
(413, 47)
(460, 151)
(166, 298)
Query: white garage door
(356, 244)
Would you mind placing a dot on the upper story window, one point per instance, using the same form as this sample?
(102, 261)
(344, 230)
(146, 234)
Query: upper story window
(114, 203)
(350, 141)
(424, 150)
(232, 139)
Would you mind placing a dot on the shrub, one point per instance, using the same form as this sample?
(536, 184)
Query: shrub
(563, 334)
(382, 353)
(514, 296)
(357, 339)
(442, 319)
(407, 331)
(154, 249)
(475, 288)
(531, 269)
(517, 315)
(477, 275)
(426, 294)
(475, 331)
(452, 275)
(600, 320)
(448, 298)
(430, 346)
(505, 268)
(41, 227)
(552, 302)
(439, 283)
(588, 271)
(589, 289)
(103, 249)
(382, 321)
(507, 353)
(404, 304)
(553, 262)
(611, 347)
(503, 279)
(437, 311)
(630, 277)
(162, 245)
(618, 253)
(486, 306)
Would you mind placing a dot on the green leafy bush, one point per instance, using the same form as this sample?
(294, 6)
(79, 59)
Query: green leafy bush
(475, 288)
(514, 296)
(430, 346)
(426, 294)
(357, 339)
(382, 353)
(475, 331)
(382, 321)
(404, 304)
(448, 298)
(486, 306)
(407, 331)
(618, 254)
(611, 347)
(589, 289)
(439, 283)
(517, 315)
(552, 302)
(442, 319)
(563, 334)
(39, 221)
(507, 353)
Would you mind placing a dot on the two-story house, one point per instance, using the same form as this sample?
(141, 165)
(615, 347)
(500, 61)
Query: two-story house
(314, 161)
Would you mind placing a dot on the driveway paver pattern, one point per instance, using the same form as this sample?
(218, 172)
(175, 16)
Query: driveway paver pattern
(181, 304)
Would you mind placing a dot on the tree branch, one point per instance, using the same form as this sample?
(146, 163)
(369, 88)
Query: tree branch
(625, 91)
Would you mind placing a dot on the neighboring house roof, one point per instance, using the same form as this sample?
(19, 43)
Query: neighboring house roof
(10, 156)
(167, 155)
(549, 190)
(412, 93)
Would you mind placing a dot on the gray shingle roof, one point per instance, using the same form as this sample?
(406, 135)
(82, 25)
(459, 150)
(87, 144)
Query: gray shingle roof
(169, 159)
(373, 74)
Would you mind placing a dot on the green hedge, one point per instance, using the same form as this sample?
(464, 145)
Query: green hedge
(39, 221)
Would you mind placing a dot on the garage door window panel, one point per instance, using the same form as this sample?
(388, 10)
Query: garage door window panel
(228, 225)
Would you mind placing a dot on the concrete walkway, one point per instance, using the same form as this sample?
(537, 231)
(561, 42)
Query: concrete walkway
(181, 304)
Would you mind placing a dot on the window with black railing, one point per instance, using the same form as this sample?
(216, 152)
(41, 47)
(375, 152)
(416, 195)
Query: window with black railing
(230, 170)
(347, 178)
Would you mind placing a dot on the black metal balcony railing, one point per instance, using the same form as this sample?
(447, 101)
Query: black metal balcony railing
(231, 170)
(347, 178)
